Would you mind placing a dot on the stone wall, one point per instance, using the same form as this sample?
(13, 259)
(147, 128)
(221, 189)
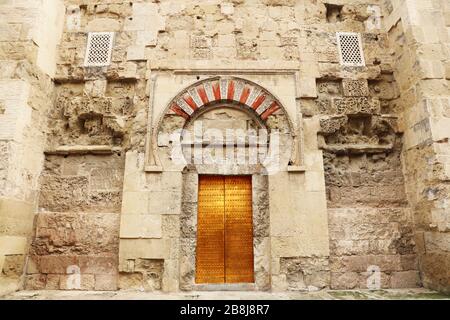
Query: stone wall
(150, 227)
(97, 114)
(418, 34)
(370, 222)
(165, 196)
(77, 226)
(101, 107)
(355, 138)
(26, 92)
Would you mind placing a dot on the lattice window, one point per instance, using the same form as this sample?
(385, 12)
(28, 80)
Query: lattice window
(99, 49)
(350, 49)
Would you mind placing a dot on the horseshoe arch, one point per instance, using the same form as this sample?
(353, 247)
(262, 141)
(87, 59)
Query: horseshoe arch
(236, 91)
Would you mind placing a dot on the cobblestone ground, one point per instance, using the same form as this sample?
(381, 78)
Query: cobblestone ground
(410, 294)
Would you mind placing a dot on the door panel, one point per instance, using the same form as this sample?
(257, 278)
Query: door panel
(210, 233)
(225, 230)
(238, 230)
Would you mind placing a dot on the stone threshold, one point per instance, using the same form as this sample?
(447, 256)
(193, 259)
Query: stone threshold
(385, 294)
(225, 287)
(80, 150)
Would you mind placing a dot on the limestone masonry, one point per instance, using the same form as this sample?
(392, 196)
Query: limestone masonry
(350, 190)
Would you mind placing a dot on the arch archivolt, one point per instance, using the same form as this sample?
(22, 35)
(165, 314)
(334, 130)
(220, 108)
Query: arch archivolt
(219, 89)
(234, 92)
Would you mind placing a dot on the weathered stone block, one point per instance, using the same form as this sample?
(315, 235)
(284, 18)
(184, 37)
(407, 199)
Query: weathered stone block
(279, 2)
(344, 280)
(164, 202)
(106, 265)
(331, 125)
(106, 282)
(130, 281)
(361, 263)
(144, 248)
(314, 181)
(437, 241)
(75, 234)
(16, 218)
(106, 179)
(62, 194)
(307, 87)
(103, 25)
(136, 53)
(436, 275)
(146, 38)
(152, 273)
(95, 88)
(73, 17)
(405, 279)
(188, 220)
(201, 42)
(170, 225)
(54, 264)
(13, 265)
(227, 8)
(12, 245)
(356, 106)
(302, 273)
(141, 226)
(36, 282)
(279, 283)
(53, 282)
(86, 282)
(135, 202)
(409, 262)
(355, 88)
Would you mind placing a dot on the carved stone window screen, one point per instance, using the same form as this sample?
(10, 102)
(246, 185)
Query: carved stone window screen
(350, 49)
(99, 49)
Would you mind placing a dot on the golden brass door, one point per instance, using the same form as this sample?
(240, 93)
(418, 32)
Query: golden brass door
(210, 230)
(224, 230)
